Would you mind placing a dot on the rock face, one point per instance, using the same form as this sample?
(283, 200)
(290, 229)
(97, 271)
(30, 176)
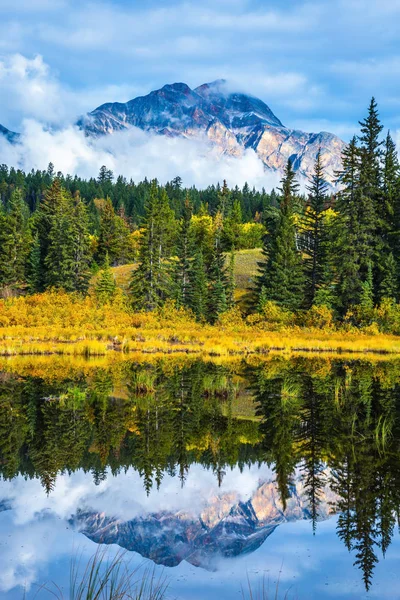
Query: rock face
(10, 135)
(226, 526)
(230, 121)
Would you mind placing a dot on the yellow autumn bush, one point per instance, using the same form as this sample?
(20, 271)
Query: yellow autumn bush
(67, 324)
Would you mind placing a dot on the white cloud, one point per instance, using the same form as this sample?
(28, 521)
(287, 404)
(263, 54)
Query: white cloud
(28, 87)
(114, 495)
(135, 154)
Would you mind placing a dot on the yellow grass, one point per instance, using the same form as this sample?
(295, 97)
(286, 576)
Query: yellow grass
(64, 324)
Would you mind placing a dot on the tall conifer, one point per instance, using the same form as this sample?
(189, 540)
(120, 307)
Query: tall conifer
(281, 272)
(151, 284)
(314, 234)
(185, 253)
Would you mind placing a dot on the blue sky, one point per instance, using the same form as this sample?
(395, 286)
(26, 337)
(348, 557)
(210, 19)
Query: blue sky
(316, 63)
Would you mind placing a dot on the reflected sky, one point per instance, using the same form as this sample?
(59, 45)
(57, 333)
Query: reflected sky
(38, 541)
(284, 469)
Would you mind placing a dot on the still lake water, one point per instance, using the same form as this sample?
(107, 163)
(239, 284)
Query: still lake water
(213, 474)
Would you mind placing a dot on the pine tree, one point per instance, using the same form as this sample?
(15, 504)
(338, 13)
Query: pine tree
(314, 235)
(33, 266)
(113, 234)
(150, 284)
(281, 272)
(185, 251)
(14, 242)
(389, 283)
(371, 152)
(198, 289)
(224, 197)
(62, 231)
(391, 172)
(48, 212)
(373, 224)
(105, 175)
(217, 276)
(367, 293)
(391, 195)
(351, 240)
(262, 299)
(82, 254)
(59, 262)
(105, 287)
(231, 284)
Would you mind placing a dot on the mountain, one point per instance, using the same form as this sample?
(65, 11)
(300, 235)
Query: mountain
(233, 122)
(225, 527)
(10, 135)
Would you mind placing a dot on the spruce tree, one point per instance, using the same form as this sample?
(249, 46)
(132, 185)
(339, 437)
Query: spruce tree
(390, 183)
(185, 252)
(232, 227)
(59, 262)
(389, 287)
(314, 234)
(262, 299)
(231, 284)
(217, 300)
(14, 242)
(48, 212)
(371, 152)
(82, 254)
(351, 241)
(64, 251)
(282, 272)
(151, 283)
(105, 287)
(367, 293)
(217, 275)
(390, 262)
(33, 266)
(373, 223)
(109, 241)
(198, 289)
(224, 197)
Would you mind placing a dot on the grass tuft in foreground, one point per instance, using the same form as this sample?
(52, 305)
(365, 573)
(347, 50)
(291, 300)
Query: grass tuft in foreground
(109, 579)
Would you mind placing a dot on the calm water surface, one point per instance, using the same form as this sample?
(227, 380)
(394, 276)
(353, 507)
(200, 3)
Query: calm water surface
(215, 475)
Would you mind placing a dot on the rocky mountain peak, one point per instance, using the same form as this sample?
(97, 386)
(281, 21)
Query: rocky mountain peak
(225, 527)
(231, 120)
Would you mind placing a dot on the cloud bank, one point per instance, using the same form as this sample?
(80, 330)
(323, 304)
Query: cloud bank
(134, 154)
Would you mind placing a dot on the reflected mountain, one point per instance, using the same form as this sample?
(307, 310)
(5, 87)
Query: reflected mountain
(226, 527)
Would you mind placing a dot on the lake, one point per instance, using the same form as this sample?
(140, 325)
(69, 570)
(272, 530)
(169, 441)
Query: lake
(274, 477)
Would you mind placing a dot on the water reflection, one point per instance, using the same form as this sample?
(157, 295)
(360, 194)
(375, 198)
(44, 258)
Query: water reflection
(270, 442)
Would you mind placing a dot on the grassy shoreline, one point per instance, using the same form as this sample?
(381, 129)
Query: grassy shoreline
(194, 339)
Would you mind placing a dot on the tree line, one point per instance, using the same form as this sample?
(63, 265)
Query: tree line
(338, 249)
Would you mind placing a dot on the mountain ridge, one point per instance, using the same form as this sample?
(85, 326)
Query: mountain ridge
(231, 121)
(11, 136)
(226, 526)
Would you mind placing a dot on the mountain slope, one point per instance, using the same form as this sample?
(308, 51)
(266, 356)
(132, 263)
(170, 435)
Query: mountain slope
(10, 135)
(233, 122)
